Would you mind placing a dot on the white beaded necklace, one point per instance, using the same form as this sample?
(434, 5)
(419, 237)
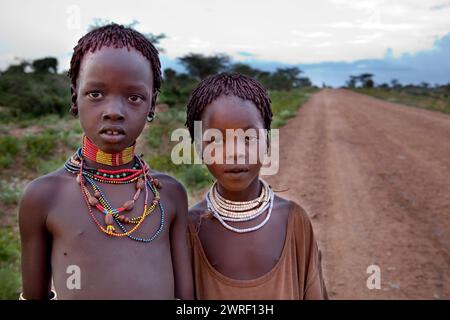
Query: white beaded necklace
(217, 211)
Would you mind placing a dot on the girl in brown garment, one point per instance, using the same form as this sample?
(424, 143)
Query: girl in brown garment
(245, 241)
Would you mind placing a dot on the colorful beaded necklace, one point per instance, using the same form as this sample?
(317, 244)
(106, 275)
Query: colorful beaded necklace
(92, 152)
(139, 174)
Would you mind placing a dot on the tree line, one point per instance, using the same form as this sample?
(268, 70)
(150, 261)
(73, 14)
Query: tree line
(34, 88)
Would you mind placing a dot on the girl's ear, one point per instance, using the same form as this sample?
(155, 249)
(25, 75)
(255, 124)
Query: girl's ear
(73, 97)
(151, 113)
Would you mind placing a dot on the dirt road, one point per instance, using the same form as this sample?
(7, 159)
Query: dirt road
(375, 179)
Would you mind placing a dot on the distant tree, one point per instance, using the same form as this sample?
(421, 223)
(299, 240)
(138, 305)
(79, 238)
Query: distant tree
(293, 75)
(395, 84)
(45, 65)
(369, 83)
(366, 80)
(31, 94)
(351, 83)
(176, 88)
(17, 68)
(169, 75)
(155, 39)
(425, 85)
(245, 69)
(265, 78)
(287, 79)
(304, 82)
(200, 66)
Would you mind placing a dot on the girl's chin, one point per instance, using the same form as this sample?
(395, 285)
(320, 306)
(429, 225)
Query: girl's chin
(236, 182)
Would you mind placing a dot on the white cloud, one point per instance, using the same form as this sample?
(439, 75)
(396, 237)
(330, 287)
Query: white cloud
(323, 44)
(282, 30)
(367, 38)
(342, 24)
(311, 34)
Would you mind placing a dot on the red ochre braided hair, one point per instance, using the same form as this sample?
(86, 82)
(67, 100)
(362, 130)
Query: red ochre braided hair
(117, 36)
(233, 84)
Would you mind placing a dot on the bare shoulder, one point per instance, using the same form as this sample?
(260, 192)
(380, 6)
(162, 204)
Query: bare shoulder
(282, 204)
(285, 206)
(41, 192)
(196, 212)
(44, 187)
(169, 182)
(174, 192)
(295, 208)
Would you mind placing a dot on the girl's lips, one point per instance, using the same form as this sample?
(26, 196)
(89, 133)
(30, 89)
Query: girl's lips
(236, 173)
(237, 169)
(112, 136)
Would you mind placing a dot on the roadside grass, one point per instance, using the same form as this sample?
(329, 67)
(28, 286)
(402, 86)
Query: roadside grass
(430, 99)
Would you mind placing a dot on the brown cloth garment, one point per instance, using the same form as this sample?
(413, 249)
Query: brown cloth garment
(297, 275)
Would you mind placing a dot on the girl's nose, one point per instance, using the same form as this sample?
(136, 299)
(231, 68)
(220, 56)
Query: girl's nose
(238, 151)
(114, 111)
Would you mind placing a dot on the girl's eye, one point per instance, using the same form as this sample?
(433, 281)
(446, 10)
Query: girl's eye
(134, 98)
(251, 138)
(95, 95)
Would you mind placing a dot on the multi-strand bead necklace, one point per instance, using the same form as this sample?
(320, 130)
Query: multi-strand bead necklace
(139, 174)
(240, 211)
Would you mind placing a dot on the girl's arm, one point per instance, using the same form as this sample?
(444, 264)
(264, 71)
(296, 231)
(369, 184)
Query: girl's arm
(35, 241)
(179, 249)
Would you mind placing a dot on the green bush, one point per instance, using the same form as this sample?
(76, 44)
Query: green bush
(176, 88)
(9, 193)
(161, 162)
(32, 95)
(194, 176)
(9, 264)
(39, 147)
(154, 135)
(44, 167)
(286, 103)
(9, 148)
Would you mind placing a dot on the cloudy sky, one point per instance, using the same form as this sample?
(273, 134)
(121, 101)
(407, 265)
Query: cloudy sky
(321, 36)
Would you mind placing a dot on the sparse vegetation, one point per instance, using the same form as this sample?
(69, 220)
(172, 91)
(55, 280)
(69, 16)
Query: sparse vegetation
(9, 263)
(436, 99)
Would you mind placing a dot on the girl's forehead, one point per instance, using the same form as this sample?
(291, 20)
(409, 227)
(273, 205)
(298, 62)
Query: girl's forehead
(232, 111)
(112, 51)
(122, 62)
